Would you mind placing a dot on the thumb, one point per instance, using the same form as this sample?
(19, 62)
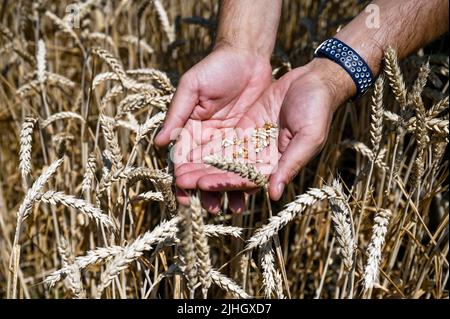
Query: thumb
(296, 155)
(183, 102)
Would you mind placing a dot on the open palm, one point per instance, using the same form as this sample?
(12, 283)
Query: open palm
(302, 105)
(211, 98)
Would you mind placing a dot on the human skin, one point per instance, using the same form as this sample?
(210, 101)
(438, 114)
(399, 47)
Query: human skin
(303, 101)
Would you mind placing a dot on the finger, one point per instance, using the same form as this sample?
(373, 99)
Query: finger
(189, 180)
(211, 201)
(182, 196)
(236, 201)
(298, 152)
(183, 102)
(224, 182)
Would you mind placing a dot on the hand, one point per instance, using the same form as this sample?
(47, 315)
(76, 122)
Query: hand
(302, 103)
(214, 94)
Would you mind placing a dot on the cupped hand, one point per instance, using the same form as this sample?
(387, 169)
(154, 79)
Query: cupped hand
(302, 103)
(211, 97)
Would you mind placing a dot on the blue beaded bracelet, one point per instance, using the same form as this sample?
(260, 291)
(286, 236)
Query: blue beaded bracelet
(348, 59)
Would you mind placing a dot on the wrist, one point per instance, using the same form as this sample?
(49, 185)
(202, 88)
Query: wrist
(222, 43)
(338, 82)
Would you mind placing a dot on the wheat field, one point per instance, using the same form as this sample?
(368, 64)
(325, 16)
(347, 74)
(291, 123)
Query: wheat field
(87, 204)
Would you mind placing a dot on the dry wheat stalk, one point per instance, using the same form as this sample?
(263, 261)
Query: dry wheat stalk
(90, 211)
(228, 285)
(92, 257)
(149, 196)
(89, 174)
(166, 230)
(244, 170)
(200, 244)
(61, 116)
(394, 75)
(113, 63)
(41, 61)
(222, 230)
(190, 267)
(158, 76)
(292, 210)
(381, 222)
(150, 124)
(26, 136)
(340, 215)
(376, 124)
(421, 140)
(364, 150)
(34, 192)
(420, 82)
(168, 28)
(438, 107)
(134, 102)
(66, 28)
(271, 276)
(143, 45)
(73, 279)
(111, 141)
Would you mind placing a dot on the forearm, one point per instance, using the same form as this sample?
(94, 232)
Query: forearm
(405, 25)
(249, 25)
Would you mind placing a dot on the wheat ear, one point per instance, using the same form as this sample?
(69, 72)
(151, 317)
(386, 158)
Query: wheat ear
(165, 231)
(271, 276)
(188, 250)
(379, 231)
(73, 279)
(340, 216)
(201, 245)
(26, 136)
(244, 170)
(376, 125)
(292, 210)
(228, 285)
(90, 211)
(395, 77)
